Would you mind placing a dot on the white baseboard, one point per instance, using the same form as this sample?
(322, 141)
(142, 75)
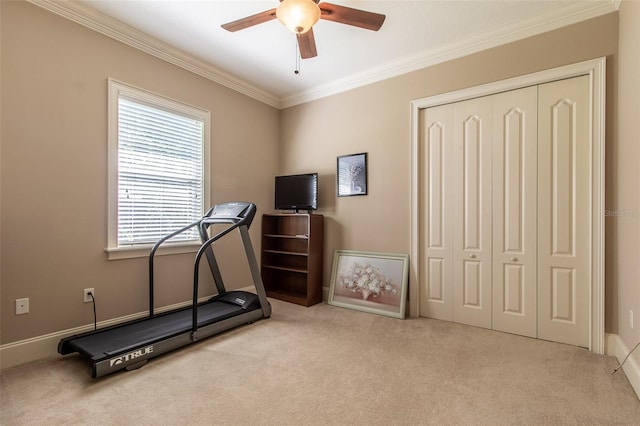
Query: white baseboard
(616, 347)
(35, 348)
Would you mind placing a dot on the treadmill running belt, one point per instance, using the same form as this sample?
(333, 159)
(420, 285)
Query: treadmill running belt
(116, 340)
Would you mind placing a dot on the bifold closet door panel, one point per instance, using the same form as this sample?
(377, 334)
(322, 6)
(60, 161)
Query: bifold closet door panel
(515, 129)
(472, 151)
(564, 210)
(435, 226)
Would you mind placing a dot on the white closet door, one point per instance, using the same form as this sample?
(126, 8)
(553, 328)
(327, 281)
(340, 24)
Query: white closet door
(472, 149)
(564, 211)
(515, 129)
(436, 241)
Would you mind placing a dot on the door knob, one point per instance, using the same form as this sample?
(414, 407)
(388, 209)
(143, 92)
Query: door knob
(514, 259)
(473, 256)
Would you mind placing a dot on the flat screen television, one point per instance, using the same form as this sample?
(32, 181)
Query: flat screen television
(296, 192)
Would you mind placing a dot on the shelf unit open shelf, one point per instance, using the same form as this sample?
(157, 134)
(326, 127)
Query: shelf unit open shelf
(291, 261)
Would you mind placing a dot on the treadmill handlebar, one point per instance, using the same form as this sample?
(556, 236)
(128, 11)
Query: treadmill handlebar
(249, 211)
(239, 213)
(236, 213)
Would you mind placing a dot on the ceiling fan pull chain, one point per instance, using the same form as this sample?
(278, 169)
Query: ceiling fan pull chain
(297, 70)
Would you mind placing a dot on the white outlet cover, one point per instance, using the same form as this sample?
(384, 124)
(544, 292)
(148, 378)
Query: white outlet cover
(22, 306)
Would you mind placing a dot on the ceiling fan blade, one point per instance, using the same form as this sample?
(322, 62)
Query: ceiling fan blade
(356, 17)
(307, 45)
(250, 21)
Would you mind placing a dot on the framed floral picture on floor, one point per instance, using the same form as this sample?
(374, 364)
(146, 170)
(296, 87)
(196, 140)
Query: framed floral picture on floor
(370, 282)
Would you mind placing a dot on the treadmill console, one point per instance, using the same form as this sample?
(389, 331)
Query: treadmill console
(229, 210)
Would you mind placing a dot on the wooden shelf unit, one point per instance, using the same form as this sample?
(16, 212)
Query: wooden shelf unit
(291, 258)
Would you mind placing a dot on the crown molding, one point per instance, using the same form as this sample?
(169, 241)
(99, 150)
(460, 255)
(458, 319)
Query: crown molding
(117, 30)
(561, 18)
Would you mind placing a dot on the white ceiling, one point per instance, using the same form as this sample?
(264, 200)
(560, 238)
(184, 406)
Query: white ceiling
(262, 59)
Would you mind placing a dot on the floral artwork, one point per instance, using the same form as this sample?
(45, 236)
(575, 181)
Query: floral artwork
(367, 280)
(352, 175)
(371, 282)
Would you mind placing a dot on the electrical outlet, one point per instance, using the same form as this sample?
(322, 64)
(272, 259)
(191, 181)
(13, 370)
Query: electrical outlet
(631, 318)
(22, 306)
(87, 297)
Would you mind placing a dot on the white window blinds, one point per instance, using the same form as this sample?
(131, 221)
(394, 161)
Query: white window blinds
(159, 173)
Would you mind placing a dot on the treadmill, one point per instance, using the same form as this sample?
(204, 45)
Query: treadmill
(131, 344)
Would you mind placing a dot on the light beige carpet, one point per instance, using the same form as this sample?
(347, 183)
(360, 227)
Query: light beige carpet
(326, 365)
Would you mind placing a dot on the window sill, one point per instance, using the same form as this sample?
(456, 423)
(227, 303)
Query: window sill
(143, 250)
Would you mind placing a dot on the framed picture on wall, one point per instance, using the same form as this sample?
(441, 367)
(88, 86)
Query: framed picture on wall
(370, 282)
(352, 175)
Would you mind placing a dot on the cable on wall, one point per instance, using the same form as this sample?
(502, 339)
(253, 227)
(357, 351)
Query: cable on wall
(625, 359)
(95, 318)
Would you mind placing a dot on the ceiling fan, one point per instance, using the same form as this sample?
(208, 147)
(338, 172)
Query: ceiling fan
(299, 16)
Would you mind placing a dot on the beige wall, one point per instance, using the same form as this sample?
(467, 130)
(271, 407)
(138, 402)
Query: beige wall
(376, 119)
(54, 171)
(53, 153)
(625, 178)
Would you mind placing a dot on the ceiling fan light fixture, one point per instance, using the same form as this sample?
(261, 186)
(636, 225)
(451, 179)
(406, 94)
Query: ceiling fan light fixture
(298, 15)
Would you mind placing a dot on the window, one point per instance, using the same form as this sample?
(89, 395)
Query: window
(157, 171)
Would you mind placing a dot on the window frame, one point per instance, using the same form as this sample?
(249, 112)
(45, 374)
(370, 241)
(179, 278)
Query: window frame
(119, 89)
